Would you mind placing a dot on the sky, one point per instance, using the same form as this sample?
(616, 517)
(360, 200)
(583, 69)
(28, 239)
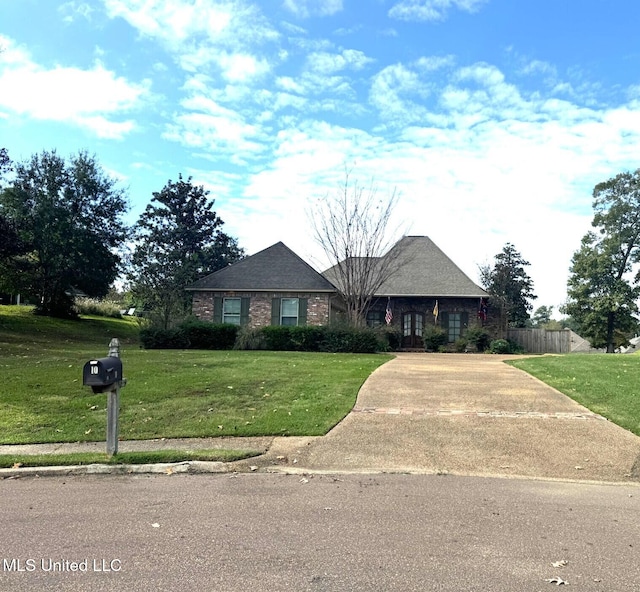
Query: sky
(491, 120)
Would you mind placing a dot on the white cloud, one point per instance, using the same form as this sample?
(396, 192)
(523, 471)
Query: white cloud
(431, 10)
(199, 33)
(329, 63)
(207, 125)
(88, 98)
(73, 10)
(307, 8)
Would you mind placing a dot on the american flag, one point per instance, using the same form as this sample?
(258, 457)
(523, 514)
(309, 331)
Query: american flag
(388, 315)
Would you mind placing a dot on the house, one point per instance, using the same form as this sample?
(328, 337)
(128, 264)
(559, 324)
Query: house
(424, 288)
(272, 287)
(276, 287)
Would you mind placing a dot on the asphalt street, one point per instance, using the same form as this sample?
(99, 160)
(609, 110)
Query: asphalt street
(271, 532)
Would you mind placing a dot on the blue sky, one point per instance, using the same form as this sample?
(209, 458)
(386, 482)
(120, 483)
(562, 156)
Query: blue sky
(492, 119)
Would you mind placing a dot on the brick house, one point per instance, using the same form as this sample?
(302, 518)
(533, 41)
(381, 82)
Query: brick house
(272, 287)
(276, 287)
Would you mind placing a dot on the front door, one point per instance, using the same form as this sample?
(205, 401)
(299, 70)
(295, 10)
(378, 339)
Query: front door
(412, 326)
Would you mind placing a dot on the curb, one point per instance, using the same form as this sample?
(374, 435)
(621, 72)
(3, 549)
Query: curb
(190, 467)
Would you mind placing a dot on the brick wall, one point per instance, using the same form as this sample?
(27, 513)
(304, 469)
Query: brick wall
(399, 306)
(260, 306)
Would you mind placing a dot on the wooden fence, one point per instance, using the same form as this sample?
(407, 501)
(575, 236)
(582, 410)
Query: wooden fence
(542, 341)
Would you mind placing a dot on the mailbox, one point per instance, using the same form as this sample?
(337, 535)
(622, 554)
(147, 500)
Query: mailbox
(102, 374)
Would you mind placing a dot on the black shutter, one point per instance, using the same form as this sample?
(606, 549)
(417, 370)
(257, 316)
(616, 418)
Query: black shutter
(302, 311)
(217, 309)
(244, 311)
(275, 311)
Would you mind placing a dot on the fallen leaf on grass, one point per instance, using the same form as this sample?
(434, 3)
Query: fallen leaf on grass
(16, 465)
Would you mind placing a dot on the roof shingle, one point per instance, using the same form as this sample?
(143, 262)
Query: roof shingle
(276, 268)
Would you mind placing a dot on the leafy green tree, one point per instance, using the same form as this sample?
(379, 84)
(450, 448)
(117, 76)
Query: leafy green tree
(602, 289)
(9, 241)
(178, 239)
(5, 162)
(509, 286)
(67, 216)
(541, 316)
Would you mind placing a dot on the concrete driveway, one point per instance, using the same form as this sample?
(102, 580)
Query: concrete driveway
(465, 414)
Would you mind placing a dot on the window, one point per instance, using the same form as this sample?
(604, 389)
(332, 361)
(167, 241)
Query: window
(231, 310)
(289, 311)
(375, 318)
(455, 326)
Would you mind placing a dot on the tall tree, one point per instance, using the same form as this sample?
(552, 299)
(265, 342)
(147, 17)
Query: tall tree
(178, 239)
(541, 316)
(10, 245)
(351, 225)
(602, 289)
(68, 220)
(5, 162)
(510, 286)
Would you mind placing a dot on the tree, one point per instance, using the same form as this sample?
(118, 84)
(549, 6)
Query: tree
(178, 239)
(602, 291)
(9, 241)
(541, 316)
(5, 162)
(509, 286)
(351, 227)
(68, 219)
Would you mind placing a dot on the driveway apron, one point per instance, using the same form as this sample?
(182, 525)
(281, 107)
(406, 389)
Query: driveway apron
(467, 414)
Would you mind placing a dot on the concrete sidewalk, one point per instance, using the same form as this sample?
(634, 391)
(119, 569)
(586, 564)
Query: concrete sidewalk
(435, 413)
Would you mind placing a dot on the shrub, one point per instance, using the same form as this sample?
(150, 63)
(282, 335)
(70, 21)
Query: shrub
(277, 338)
(500, 346)
(307, 337)
(204, 335)
(250, 338)
(351, 340)
(98, 308)
(434, 339)
(155, 338)
(390, 338)
(479, 338)
(460, 345)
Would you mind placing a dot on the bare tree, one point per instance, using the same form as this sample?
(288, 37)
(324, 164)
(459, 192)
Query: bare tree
(351, 226)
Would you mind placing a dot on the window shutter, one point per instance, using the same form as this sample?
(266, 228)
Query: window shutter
(217, 309)
(244, 311)
(302, 311)
(464, 322)
(275, 311)
(444, 323)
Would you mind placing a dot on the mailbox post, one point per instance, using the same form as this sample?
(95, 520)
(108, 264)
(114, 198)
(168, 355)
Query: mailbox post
(113, 405)
(105, 376)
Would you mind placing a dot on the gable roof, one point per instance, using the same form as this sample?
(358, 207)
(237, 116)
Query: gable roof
(423, 269)
(420, 268)
(274, 269)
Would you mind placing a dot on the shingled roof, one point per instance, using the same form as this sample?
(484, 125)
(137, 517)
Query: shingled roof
(274, 269)
(420, 268)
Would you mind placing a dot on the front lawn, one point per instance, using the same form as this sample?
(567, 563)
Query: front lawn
(169, 393)
(607, 384)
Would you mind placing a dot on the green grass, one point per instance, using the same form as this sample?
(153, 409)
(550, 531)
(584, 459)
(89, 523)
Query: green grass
(604, 383)
(169, 393)
(131, 458)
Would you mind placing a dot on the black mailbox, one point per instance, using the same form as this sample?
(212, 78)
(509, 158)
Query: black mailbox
(102, 374)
